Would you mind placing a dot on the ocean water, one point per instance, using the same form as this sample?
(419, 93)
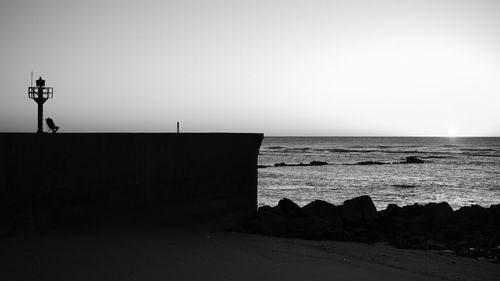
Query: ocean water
(461, 171)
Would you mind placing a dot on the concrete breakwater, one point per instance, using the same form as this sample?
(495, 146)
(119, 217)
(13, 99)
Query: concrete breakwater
(164, 178)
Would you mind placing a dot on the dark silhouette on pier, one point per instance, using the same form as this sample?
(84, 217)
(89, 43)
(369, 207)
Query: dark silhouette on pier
(52, 126)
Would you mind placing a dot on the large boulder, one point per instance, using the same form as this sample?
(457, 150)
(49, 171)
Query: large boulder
(430, 226)
(392, 210)
(437, 214)
(390, 219)
(266, 221)
(411, 211)
(289, 209)
(471, 217)
(359, 209)
(495, 214)
(308, 228)
(324, 210)
(417, 219)
(339, 234)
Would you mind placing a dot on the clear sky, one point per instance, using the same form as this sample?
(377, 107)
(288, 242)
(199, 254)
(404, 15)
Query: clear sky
(399, 68)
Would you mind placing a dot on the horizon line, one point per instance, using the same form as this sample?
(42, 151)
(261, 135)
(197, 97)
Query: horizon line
(265, 135)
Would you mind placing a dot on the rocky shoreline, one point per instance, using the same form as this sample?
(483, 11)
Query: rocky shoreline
(471, 231)
(408, 160)
(283, 164)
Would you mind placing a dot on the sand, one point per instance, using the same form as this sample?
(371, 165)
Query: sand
(196, 254)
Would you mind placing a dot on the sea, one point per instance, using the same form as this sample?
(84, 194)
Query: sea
(460, 171)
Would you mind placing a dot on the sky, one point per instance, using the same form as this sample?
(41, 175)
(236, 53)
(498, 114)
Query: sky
(278, 67)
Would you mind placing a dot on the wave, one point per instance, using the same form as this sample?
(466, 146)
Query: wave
(404, 185)
(274, 147)
(437, 157)
(482, 155)
(479, 149)
(481, 152)
(399, 146)
(297, 149)
(411, 151)
(341, 150)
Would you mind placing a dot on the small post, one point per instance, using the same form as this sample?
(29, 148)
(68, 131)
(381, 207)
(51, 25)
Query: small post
(177, 127)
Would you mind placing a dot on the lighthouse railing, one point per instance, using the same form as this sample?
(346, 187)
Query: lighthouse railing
(47, 92)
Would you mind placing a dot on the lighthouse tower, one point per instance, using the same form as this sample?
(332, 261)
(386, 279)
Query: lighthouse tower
(40, 94)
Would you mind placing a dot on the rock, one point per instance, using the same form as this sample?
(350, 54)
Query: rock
(407, 241)
(308, 228)
(370, 163)
(431, 244)
(404, 185)
(264, 208)
(390, 214)
(471, 217)
(392, 209)
(495, 209)
(472, 231)
(409, 160)
(359, 209)
(452, 233)
(411, 211)
(324, 210)
(339, 234)
(437, 214)
(312, 163)
(289, 209)
(267, 222)
(495, 214)
(317, 163)
(413, 160)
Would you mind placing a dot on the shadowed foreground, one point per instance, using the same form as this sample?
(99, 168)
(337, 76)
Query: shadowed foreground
(206, 255)
(471, 231)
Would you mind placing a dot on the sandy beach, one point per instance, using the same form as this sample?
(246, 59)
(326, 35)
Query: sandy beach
(197, 254)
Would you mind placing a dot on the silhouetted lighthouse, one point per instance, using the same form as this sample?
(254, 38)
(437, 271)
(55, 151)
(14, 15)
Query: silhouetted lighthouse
(40, 94)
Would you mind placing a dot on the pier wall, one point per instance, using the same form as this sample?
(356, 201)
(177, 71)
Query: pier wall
(134, 178)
